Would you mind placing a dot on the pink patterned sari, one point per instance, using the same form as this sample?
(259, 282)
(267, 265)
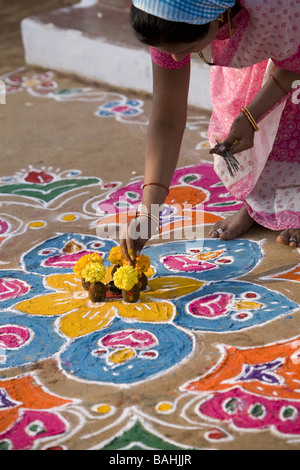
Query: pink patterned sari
(269, 180)
(267, 36)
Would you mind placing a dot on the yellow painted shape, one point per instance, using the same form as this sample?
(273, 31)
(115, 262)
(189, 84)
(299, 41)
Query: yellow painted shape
(123, 355)
(30, 83)
(69, 217)
(205, 145)
(164, 407)
(38, 224)
(86, 319)
(147, 311)
(171, 287)
(67, 282)
(103, 409)
(210, 255)
(50, 304)
(246, 305)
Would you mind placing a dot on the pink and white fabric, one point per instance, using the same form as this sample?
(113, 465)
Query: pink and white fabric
(267, 35)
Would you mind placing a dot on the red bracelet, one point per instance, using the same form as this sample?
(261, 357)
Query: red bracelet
(156, 184)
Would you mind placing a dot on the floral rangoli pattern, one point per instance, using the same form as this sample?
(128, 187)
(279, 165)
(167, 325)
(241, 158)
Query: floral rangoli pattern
(186, 367)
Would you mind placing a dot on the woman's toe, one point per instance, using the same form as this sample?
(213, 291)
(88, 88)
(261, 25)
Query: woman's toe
(283, 238)
(216, 232)
(289, 237)
(226, 235)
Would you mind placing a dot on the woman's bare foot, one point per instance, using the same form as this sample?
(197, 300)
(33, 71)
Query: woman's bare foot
(234, 226)
(289, 237)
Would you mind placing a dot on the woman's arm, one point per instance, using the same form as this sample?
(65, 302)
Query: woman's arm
(269, 95)
(165, 130)
(163, 142)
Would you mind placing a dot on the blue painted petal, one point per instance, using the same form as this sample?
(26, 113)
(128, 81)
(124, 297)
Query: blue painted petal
(103, 113)
(33, 285)
(131, 112)
(244, 256)
(133, 102)
(37, 259)
(274, 305)
(43, 341)
(111, 104)
(172, 347)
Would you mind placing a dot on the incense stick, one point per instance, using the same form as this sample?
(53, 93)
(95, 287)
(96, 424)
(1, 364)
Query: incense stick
(230, 160)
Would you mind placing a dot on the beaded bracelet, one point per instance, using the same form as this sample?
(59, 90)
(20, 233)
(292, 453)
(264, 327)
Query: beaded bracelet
(250, 118)
(156, 184)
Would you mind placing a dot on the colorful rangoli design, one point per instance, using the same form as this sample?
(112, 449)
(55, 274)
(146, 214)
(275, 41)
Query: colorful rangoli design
(165, 373)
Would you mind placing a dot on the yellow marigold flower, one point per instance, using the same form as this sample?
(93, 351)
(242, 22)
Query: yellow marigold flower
(125, 277)
(93, 271)
(84, 260)
(116, 256)
(142, 264)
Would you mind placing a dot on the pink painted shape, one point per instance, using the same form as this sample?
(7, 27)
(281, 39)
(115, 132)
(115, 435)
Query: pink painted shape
(132, 338)
(22, 437)
(186, 263)
(242, 417)
(206, 179)
(11, 288)
(211, 306)
(120, 109)
(12, 337)
(65, 260)
(3, 226)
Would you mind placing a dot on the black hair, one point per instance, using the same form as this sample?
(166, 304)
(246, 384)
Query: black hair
(155, 31)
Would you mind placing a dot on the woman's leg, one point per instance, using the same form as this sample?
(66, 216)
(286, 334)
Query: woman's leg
(241, 222)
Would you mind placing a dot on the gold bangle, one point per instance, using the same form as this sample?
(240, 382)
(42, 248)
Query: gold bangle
(250, 118)
(152, 217)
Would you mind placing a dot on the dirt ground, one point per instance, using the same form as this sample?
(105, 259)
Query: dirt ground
(227, 382)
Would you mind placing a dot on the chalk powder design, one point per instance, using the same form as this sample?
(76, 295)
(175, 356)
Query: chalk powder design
(196, 286)
(255, 389)
(185, 300)
(199, 390)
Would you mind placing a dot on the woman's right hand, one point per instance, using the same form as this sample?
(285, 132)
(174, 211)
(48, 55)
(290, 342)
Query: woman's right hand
(135, 235)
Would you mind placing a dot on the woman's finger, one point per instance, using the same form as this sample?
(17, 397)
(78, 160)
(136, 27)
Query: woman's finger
(238, 147)
(126, 243)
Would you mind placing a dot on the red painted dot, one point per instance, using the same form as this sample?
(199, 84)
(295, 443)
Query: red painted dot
(250, 295)
(39, 177)
(241, 316)
(55, 448)
(101, 352)
(216, 434)
(149, 354)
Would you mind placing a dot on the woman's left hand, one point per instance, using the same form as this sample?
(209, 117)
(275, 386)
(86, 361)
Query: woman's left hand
(241, 137)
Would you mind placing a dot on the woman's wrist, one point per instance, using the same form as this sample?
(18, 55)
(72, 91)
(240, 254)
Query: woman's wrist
(274, 90)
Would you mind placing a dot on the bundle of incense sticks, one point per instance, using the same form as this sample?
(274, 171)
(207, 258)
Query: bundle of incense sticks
(230, 160)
